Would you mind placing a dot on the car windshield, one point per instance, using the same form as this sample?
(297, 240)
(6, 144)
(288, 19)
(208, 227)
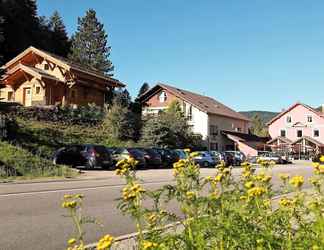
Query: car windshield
(135, 152)
(101, 149)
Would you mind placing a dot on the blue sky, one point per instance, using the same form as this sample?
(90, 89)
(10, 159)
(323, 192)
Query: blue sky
(248, 54)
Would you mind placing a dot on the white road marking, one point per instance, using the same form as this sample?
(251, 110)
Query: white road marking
(76, 189)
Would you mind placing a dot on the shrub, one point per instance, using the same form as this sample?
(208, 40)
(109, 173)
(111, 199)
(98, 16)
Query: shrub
(84, 115)
(220, 212)
(16, 161)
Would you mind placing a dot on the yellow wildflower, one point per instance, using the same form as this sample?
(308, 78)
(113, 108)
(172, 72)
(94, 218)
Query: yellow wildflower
(132, 191)
(208, 178)
(219, 178)
(297, 181)
(243, 198)
(256, 191)
(187, 150)
(321, 158)
(148, 245)
(71, 241)
(152, 218)
(266, 178)
(69, 204)
(194, 154)
(226, 171)
(286, 202)
(190, 195)
(249, 184)
(105, 242)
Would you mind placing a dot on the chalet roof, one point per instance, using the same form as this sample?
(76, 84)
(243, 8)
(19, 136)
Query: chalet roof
(310, 139)
(65, 63)
(39, 73)
(291, 108)
(203, 103)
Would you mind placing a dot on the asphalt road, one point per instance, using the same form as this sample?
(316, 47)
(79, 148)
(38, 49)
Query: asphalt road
(31, 217)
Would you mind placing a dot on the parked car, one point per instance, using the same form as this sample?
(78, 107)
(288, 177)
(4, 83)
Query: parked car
(204, 159)
(270, 156)
(124, 153)
(181, 153)
(217, 156)
(233, 158)
(152, 158)
(168, 156)
(87, 156)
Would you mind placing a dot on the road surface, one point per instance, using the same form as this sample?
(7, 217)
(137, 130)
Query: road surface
(31, 217)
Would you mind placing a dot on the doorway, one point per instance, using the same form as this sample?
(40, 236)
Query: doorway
(27, 97)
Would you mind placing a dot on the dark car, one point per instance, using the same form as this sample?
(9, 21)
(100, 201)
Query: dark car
(87, 156)
(168, 156)
(152, 157)
(124, 153)
(181, 153)
(234, 158)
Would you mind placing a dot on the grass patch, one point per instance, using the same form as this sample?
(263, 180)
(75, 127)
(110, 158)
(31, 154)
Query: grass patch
(18, 162)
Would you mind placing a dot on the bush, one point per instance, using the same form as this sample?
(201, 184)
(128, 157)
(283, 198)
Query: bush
(16, 161)
(220, 212)
(84, 115)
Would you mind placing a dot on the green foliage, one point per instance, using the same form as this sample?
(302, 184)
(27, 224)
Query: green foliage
(122, 98)
(89, 44)
(84, 115)
(16, 161)
(145, 87)
(175, 108)
(59, 35)
(258, 127)
(23, 28)
(120, 123)
(169, 129)
(265, 116)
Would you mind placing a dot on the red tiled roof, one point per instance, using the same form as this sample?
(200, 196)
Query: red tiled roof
(203, 103)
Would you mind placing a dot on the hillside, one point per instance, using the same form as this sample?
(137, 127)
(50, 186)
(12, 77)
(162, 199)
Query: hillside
(264, 115)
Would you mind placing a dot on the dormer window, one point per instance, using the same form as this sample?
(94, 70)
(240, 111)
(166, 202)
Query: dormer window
(288, 119)
(46, 66)
(163, 96)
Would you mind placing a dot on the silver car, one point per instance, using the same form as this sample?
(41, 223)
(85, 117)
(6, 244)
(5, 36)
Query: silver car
(204, 159)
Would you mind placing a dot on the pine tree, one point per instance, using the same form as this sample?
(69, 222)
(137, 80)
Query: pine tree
(122, 98)
(89, 44)
(145, 87)
(60, 40)
(21, 27)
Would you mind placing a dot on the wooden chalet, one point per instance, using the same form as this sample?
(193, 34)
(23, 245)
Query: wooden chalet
(37, 77)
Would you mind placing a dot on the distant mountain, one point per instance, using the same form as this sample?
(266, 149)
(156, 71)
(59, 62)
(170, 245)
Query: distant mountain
(264, 115)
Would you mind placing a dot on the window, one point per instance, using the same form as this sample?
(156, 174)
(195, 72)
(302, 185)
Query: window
(46, 66)
(10, 95)
(214, 146)
(316, 133)
(283, 133)
(238, 129)
(288, 119)
(163, 96)
(38, 90)
(309, 119)
(299, 133)
(189, 113)
(213, 131)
